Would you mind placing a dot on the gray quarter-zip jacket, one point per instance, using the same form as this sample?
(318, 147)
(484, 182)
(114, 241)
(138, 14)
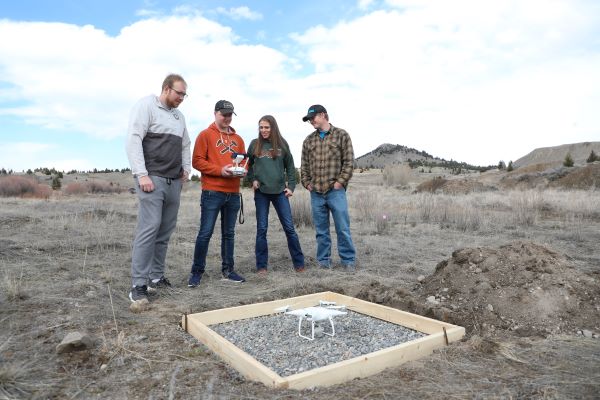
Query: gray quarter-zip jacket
(158, 143)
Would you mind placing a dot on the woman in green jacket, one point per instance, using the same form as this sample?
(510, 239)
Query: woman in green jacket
(273, 175)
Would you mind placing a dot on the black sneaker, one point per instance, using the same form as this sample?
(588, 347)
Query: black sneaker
(194, 280)
(159, 284)
(233, 277)
(138, 293)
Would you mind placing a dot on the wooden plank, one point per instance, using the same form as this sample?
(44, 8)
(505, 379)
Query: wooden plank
(256, 310)
(366, 365)
(238, 359)
(393, 315)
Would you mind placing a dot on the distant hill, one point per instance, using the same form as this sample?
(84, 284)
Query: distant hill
(554, 156)
(388, 154)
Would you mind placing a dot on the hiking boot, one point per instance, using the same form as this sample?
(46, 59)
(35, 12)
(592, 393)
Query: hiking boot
(159, 284)
(299, 269)
(233, 277)
(138, 293)
(261, 271)
(194, 280)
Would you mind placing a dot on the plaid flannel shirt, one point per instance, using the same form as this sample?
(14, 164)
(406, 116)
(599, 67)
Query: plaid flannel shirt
(326, 161)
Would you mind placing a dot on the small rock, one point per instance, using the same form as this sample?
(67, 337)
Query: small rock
(319, 331)
(432, 300)
(103, 367)
(490, 308)
(421, 278)
(587, 333)
(139, 306)
(74, 341)
(442, 314)
(477, 270)
(445, 289)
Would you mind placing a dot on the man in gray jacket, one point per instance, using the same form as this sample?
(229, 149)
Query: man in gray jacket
(158, 148)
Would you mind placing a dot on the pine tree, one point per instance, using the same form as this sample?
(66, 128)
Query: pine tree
(510, 166)
(593, 157)
(568, 160)
(56, 184)
(501, 165)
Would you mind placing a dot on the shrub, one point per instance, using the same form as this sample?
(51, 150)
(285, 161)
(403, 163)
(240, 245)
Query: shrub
(75, 188)
(397, 175)
(432, 185)
(593, 157)
(568, 160)
(92, 187)
(382, 224)
(301, 211)
(56, 184)
(21, 186)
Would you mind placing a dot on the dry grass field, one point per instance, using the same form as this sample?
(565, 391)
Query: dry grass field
(519, 269)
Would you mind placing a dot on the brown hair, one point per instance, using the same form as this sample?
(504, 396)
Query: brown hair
(277, 141)
(171, 79)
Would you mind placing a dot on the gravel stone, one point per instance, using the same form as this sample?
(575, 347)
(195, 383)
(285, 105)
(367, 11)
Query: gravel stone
(273, 340)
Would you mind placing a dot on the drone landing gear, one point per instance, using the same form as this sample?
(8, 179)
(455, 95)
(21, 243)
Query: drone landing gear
(312, 322)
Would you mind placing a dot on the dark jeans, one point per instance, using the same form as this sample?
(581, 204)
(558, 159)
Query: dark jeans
(284, 212)
(211, 204)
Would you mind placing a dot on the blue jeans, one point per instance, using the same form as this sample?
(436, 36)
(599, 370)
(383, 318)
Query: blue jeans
(284, 212)
(211, 204)
(333, 201)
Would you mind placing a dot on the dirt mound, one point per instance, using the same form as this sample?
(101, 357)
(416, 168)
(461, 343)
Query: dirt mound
(521, 287)
(584, 177)
(556, 154)
(453, 186)
(581, 178)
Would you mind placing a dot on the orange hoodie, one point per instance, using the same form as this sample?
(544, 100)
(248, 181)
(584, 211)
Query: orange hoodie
(212, 152)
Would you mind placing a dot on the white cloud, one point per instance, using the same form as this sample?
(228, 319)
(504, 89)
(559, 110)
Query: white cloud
(80, 79)
(469, 80)
(21, 156)
(238, 13)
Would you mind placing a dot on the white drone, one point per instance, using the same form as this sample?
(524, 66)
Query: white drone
(237, 169)
(325, 311)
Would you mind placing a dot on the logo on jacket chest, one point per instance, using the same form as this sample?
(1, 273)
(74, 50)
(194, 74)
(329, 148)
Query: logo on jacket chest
(270, 153)
(227, 146)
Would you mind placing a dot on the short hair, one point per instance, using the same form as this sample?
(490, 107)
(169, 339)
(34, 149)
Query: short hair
(171, 79)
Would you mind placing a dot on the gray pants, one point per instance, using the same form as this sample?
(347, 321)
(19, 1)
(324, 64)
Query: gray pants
(157, 217)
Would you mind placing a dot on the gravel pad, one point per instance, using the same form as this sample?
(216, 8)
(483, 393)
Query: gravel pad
(273, 340)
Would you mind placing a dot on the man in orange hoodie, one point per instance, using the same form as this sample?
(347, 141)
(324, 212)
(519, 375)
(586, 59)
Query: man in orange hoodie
(213, 152)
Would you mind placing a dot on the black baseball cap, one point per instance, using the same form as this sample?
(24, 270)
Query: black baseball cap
(224, 106)
(314, 110)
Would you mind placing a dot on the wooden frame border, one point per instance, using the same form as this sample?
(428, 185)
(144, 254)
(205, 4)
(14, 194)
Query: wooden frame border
(438, 334)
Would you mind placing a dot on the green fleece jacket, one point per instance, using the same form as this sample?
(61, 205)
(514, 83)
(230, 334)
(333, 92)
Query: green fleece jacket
(271, 173)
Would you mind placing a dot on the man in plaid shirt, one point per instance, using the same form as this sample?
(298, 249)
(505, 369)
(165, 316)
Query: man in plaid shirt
(326, 168)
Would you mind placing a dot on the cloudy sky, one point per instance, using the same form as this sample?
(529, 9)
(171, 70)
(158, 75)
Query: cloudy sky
(471, 80)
